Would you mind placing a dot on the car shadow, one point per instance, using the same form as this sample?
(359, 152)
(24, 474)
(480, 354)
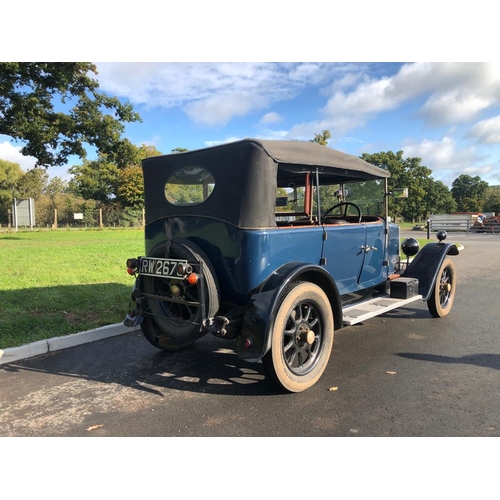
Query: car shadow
(210, 366)
(485, 360)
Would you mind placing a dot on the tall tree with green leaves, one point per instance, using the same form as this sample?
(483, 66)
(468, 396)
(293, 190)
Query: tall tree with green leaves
(56, 107)
(394, 163)
(10, 173)
(492, 200)
(32, 184)
(130, 187)
(106, 181)
(95, 180)
(56, 186)
(469, 193)
(409, 173)
(438, 199)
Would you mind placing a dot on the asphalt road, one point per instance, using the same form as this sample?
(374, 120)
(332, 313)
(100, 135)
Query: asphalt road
(443, 380)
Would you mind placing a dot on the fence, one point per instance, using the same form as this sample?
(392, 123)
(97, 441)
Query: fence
(452, 222)
(109, 216)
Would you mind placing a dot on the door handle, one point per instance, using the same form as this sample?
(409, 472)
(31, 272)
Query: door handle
(368, 248)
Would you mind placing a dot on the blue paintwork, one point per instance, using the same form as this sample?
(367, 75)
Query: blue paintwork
(350, 265)
(243, 259)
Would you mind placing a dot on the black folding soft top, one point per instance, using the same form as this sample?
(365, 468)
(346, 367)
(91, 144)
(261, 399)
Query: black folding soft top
(246, 176)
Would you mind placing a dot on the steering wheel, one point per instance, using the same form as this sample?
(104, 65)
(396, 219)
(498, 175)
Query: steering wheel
(346, 205)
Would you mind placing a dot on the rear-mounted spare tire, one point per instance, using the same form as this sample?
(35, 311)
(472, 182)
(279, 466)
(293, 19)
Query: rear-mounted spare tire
(174, 325)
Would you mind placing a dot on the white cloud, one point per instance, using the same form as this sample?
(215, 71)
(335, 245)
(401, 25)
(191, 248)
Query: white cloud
(452, 92)
(214, 93)
(454, 106)
(486, 131)
(271, 117)
(13, 153)
(447, 160)
(220, 109)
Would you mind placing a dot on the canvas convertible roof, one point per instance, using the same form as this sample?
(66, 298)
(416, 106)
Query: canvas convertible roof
(312, 154)
(246, 174)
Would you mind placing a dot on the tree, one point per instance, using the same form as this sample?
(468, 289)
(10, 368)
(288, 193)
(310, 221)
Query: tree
(32, 184)
(106, 181)
(30, 92)
(179, 150)
(94, 180)
(492, 200)
(322, 138)
(469, 193)
(425, 195)
(10, 173)
(56, 186)
(130, 187)
(438, 199)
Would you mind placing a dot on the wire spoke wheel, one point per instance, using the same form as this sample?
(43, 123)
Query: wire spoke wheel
(443, 293)
(445, 288)
(302, 338)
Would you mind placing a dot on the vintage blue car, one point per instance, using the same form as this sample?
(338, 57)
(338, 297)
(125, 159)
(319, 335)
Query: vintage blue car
(275, 244)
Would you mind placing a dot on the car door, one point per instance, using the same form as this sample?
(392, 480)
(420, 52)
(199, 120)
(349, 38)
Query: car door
(372, 272)
(343, 250)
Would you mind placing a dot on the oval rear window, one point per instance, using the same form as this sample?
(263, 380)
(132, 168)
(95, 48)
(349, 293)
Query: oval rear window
(189, 186)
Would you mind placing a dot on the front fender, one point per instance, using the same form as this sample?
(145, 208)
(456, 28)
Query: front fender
(254, 340)
(426, 264)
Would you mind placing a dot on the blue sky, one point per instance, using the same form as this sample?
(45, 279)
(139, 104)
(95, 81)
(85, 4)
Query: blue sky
(448, 114)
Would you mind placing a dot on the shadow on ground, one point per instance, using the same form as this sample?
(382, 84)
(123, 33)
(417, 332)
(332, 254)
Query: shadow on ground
(209, 366)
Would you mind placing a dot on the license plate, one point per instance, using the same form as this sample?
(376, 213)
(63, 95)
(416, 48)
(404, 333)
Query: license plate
(165, 268)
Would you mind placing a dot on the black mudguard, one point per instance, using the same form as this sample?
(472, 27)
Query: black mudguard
(426, 264)
(254, 340)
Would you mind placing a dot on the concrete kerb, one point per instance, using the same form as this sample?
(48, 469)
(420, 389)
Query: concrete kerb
(55, 344)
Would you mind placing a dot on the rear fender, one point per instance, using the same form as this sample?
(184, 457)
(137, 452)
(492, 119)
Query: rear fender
(426, 264)
(254, 340)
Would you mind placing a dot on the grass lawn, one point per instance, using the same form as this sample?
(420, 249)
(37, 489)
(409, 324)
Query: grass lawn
(56, 283)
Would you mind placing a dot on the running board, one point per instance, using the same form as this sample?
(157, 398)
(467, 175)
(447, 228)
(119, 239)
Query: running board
(355, 313)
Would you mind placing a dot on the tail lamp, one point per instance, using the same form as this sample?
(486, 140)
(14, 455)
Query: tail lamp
(132, 265)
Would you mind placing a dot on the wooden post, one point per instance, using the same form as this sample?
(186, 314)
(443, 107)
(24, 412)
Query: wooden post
(55, 218)
(100, 217)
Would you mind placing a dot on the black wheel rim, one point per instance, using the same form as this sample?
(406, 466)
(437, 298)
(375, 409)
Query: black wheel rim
(302, 338)
(445, 287)
(176, 312)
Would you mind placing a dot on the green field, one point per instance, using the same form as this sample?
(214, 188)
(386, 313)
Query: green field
(56, 283)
